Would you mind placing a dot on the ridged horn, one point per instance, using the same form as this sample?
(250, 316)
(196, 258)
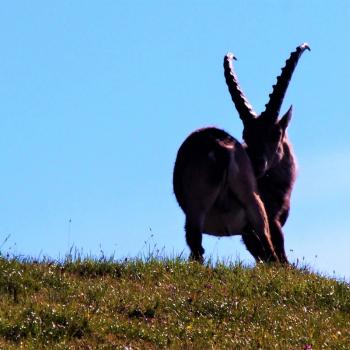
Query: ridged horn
(242, 105)
(272, 108)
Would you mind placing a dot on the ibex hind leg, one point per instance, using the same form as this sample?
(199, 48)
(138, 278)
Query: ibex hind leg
(204, 192)
(194, 228)
(253, 244)
(242, 183)
(195, 217)
(258, 220)
(244, 188)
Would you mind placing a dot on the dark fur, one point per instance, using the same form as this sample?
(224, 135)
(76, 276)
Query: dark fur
(215, 186)
(275, 188)
(225, 188)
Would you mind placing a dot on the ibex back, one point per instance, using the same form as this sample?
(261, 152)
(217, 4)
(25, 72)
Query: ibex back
(227, 188)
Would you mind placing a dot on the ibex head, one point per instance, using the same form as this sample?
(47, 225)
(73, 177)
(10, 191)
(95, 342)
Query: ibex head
(264, 134)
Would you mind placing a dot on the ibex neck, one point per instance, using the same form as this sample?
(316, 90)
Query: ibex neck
(276, 185)
(284, 171)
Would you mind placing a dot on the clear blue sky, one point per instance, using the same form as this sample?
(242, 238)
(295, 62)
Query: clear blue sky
(96, 98)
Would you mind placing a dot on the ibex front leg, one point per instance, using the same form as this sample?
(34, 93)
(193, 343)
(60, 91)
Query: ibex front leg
(277, 239)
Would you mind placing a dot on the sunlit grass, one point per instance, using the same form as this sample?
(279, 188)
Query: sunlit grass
(86, 303)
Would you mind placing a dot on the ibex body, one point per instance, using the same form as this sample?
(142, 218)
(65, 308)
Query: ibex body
(226, 188)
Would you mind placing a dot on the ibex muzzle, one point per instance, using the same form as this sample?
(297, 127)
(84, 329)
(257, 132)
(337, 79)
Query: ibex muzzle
(227, 188)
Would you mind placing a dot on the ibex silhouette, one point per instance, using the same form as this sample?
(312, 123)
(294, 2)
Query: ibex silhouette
(227, 188)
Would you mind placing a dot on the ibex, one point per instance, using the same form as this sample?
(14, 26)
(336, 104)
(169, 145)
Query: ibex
(227, 188)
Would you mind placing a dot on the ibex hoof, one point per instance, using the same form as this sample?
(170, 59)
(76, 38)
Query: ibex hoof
(197, 257)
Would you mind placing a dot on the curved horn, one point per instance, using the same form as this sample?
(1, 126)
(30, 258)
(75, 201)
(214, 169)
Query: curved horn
(272, 108)
(243, 107)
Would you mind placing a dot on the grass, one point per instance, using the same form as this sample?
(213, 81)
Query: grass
(87, 303)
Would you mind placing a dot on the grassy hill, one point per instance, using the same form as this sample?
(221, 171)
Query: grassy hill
(104, 304)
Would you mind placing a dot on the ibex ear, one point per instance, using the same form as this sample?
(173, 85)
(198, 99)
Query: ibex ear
(284, 121)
